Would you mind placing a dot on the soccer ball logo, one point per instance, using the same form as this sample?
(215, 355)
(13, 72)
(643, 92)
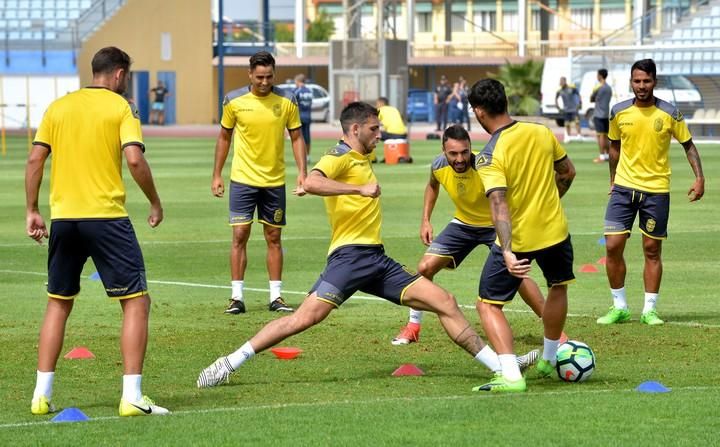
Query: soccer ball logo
(575, 361)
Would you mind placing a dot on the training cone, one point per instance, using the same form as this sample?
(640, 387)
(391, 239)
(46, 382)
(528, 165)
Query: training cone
(408, 369)
(588, 268)
(602, 261)
(652, 387)
(80, 352)
(601, 241)
(70, 415)
(95, 276)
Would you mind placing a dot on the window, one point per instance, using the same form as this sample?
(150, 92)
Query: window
(510, 21)
(535, 21)
(612, 18)
(423, 22)
(457, 21)
(485, 20)
(582, 18)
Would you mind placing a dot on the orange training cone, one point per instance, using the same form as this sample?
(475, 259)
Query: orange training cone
(80, 352)
(588, 268)
(408, 369)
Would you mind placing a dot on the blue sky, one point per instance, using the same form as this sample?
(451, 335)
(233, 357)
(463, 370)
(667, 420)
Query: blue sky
(250, 9)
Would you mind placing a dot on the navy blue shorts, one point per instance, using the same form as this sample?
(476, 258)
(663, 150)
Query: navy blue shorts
(570, 117)
(626, 203)
(306, 132)
(270, 203)
(113, 247)
(366, 268)
(498, 286)
(456, 241)
(602, 125)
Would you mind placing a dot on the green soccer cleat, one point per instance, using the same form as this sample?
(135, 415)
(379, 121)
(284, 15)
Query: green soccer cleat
(41, 406)
(500, 384)
(544, 368)
(615, 316)
(144, 407)
(651, 318)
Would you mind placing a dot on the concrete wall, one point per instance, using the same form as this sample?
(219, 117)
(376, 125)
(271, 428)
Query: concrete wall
(137, 29)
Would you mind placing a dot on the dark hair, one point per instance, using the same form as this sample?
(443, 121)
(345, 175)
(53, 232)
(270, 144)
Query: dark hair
(455, 132)
(356, 112)
(384, 100)
(489, 94)
(110, 59)
(646, 65)
(262, 58)
(603, 73)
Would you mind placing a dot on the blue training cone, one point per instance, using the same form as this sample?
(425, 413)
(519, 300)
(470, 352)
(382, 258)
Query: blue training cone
(652, 387)
(95, 276)
(601, 241)
(70, 415)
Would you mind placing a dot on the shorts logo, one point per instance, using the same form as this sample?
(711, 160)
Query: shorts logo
(658, 124)
(481, 161)
(277, 216)
(240, 218)
(277, 110)
(650, 225)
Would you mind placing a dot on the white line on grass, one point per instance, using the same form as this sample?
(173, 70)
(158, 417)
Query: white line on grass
(358, 297)
(283, 406)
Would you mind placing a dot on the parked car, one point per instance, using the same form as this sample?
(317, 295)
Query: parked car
(320, 103)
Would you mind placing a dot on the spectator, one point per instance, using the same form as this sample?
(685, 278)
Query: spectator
(440, 99)
(304, 97)
(391, 120)
(157, 112)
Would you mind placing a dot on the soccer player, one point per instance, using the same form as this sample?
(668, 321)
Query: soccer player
(571, 103)
(391, 120)
(640, 133)
(88, 132)
(304, 98)
(471, 225)
(257, 115)
(601, 96)
(525, 172)
(356, 258)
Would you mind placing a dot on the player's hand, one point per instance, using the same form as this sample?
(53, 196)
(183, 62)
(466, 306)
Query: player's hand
(35, 227)
(156, 215)
(370, 190)
(299, 188)
(697, 190)
(217, 187)
(426, 233)
(517, 267)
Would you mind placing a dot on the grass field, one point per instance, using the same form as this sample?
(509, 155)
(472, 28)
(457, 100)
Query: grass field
(340, 391)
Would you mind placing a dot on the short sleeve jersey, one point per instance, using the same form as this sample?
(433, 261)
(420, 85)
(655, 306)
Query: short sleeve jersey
(644, 134)
(391, 120)
(354, 220)
(570, 97)
(602, 96)
(465, 190)
(86, 132)
(259, 123)
(520, 158)
(304, 98)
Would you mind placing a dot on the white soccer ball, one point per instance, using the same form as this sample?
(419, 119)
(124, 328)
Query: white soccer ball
(575, 361)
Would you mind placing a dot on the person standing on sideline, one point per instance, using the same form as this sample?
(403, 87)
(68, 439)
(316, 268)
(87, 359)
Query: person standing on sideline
(571, 104)
(255, 118)
(356, 257)
(525, 172)
(304, 97)
(601, 96)
(470, 227)
(640, 133)
(393, 125)
(157, 111)
(441, 97)
(88, 132)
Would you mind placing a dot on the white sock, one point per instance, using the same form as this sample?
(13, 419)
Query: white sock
(618, 296)
(132, 389)
(239, 357)
(489, 358)
(44, 384)
(510, 368)
(550, 348)
(237, 290)
(416, 316)
(650, 301)
(275, 287)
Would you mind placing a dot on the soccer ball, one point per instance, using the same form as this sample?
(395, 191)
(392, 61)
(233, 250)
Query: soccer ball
(575, 361)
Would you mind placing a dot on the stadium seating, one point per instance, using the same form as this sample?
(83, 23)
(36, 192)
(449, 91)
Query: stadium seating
(31, 21)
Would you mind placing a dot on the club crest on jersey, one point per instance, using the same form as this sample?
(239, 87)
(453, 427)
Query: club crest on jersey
(277, 111)
(481, 160)
(658, 124)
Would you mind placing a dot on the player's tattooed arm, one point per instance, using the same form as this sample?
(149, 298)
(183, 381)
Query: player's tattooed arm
(501, 218)
(564, 175)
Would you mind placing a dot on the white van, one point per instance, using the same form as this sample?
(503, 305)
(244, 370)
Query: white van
(554, 69)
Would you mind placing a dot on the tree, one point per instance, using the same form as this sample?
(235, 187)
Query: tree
(321, 29)
(522, 86)
(284, 32)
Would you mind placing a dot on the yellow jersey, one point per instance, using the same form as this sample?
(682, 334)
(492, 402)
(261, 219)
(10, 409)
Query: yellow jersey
(259, 124)
(465, 190)
(354, 219)
(644, 134)
(520, 159)
(391, 120)
(85, 132)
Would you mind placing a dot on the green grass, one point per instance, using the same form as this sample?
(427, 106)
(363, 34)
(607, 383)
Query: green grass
(340, 391)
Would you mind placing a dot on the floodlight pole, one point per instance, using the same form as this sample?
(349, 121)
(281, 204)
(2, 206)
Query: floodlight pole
(299, 28)
(522, 27)
(221, 57)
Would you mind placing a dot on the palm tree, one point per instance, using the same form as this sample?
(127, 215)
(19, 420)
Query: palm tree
(522, 86)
